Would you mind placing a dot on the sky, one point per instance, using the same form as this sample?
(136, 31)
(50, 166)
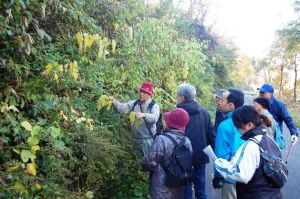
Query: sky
(250, 24)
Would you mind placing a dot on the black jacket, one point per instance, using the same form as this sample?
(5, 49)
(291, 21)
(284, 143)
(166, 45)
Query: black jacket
(199, 130)
(259, 186)
(220, 117)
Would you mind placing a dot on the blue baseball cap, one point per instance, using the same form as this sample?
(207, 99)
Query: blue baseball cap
(266, 88)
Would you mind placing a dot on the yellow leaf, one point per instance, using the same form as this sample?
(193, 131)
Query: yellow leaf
(102, 101)
(79, 120)
(61, 68)
(96, 37)
(74, 69)
(109, 104)
(35, 148)
(30, 169)
(101, 48)
(56, 79)
(88, 41)
(132, 117)
(48, 69)
(116, 26)
(185, 72)
(26, 125)
(105, 42)
(113, 46)
(79, 38)
(89, 124)
(38, 186)
(14, 168)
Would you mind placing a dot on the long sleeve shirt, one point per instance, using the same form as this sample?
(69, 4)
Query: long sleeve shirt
(138, 128)
(280, 113)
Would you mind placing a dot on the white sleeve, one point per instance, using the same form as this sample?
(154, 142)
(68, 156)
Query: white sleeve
(124, 108)
(242, 166)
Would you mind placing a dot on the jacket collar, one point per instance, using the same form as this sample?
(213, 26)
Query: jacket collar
(146, 102)
(261, 130)
(272, 100)
(229, 114)
(174, 131)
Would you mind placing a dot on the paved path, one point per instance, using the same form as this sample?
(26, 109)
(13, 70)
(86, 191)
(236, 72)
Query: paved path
(291, 190)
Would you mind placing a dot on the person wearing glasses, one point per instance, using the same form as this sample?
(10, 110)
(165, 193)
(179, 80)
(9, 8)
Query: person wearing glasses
(144, 132)
(220, 117)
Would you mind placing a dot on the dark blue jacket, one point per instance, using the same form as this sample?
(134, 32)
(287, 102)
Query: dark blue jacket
(199, 130)
(281, 114)
(260, 186)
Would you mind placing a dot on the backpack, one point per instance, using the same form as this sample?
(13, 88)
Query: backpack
(273, 167)
(178, 172)
(278, 136)
(159, 124)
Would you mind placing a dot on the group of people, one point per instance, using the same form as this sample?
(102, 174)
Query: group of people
(238, 169)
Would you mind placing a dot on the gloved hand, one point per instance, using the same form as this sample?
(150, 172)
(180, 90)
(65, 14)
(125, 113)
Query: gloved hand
(217, 182)
(294, 139)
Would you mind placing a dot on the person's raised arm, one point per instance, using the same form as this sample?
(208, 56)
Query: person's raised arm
(124, 108)
(288, 120)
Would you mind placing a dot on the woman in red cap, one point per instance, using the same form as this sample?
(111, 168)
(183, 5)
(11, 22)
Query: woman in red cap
(147, 110)
(160, 153)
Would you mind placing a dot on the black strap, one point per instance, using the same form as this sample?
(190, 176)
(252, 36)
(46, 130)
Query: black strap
(134, 104)
(171, 138)
(151, 104)
(146, 122)
(182, 141)
(257, 142)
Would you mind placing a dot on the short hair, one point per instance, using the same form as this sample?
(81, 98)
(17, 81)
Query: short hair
(236, 97)
(245, 114)
(188, 91)
(263, 102)
(220, 93)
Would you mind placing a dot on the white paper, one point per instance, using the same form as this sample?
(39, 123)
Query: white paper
(210, 153)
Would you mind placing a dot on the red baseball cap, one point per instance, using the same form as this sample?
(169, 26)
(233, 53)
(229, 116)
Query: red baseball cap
(147, 87)
(177, 118)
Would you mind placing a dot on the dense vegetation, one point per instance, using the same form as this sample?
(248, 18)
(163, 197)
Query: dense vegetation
(57, 58)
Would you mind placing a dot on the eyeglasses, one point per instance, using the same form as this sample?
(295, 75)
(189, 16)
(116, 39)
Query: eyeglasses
(219, 100)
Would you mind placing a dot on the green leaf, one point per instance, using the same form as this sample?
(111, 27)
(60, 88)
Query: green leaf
(32, 141)
(55, 132)
(26, 155)
(26, 125)
(13, 108)
(35, 131)
(20, 187)
(43, 34)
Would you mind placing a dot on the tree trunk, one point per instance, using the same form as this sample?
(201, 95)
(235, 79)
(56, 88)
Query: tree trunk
(295, 82)
(281, 79)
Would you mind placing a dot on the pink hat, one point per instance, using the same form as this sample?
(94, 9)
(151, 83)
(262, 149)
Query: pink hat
(147, 87)
(177, 118)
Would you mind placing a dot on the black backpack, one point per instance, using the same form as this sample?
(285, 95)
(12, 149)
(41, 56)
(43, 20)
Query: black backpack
(159, 124)
(273, 167)
(179, 169)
